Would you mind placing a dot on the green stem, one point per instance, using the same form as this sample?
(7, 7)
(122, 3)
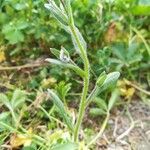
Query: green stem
(14, 116)
(85, 86)
(50, 117)
(81, 109)
(83, 52)
(142, 38)
(101, 130)
(92, 95)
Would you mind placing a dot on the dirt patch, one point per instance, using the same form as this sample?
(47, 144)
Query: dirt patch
(129, 129)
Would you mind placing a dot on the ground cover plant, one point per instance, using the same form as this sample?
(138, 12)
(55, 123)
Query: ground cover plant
(65, 17)
(73, 100)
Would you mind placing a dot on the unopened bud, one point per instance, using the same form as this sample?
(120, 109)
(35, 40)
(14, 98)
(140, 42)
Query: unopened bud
(64, 55)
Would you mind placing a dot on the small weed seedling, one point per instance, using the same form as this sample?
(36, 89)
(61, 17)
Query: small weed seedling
(13, 104)
(64, 16)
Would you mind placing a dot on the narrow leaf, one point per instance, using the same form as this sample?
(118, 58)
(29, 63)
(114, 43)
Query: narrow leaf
(68, 9)
(4, 116)
(81, 40)
(55, 52)
(57, 13)
(18, 98)
(61, 108)
(113, 99)
(97, 111)
(101, 78)
(110, 80)
(79, 71)
(4, 100)
(101, 103)
(66, 146)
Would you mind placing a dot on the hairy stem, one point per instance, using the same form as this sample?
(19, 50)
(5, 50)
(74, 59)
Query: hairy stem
(92, 95)
(81, 110)
(85, 86)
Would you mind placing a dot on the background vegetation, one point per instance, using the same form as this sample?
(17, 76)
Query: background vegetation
(117, 34)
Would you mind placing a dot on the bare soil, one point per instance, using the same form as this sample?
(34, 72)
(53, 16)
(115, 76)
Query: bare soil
(128, 129)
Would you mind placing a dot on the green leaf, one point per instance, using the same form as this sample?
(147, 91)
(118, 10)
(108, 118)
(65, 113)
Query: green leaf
(7, 103)
(79, 71)
(61, 108)
(14, 36)
(57, 13)
(6, 126)
(81, 39)
(110, 80)
(18, 98)
(4, 100)
(144, 2)
(113, 99)
(101, 78)
(141, 10)
(97, 111)
(68, 8)
(7, 28)
(20, 6)
(100, 103)
(3, 18)
(62, 89)
(55, 52)
(119, 49)
(29, 148)
(4, 116)
(67, 146)
(22, 24)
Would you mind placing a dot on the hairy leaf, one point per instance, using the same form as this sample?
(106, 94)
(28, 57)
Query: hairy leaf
(110, 80)
(55, 52)
(61, 108)
(57, 13)
(4, 100)
(18, 98)
(113, 99)
(79, 71)
(81, 40)
(97, 111)
(100, 103)
(101, 78)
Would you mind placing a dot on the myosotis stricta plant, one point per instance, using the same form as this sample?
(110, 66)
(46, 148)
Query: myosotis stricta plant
(64, 16)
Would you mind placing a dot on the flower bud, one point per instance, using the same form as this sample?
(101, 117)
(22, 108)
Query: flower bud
(64, 55)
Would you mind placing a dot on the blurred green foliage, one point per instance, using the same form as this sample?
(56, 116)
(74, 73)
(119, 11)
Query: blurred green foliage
(28, 31)
(118, 38)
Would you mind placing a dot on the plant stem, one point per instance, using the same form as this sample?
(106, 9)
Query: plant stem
(85, 85)
(92, 95)
(50, 117)
(142, 38)
(82, 50)
(81, 109)
(14, 116)
(101, 130)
